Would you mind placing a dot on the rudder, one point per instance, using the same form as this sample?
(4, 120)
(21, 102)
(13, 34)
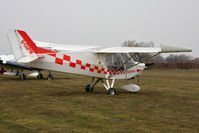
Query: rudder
(21, 44)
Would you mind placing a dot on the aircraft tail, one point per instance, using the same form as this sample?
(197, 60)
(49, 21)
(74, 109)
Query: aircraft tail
(21, 44)
(23, 48)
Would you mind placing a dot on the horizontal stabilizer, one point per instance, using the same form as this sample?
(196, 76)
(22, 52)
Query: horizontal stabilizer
(27, 59)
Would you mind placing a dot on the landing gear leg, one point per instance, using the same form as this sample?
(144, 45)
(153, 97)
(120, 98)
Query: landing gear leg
(110, 89)
(17, 73)
(22, 76)
(40, 76)
(138, 81)
(50, 76)
(90, 87)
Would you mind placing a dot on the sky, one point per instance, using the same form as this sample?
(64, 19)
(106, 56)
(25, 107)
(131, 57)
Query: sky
(103, 22)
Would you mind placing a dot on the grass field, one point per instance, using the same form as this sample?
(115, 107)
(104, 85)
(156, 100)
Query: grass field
(168, 102)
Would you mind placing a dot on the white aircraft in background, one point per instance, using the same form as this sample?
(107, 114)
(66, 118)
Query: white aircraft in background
(9, 66)
(102, 64)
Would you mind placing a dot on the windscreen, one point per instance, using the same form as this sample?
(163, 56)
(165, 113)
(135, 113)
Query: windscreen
(116, 61)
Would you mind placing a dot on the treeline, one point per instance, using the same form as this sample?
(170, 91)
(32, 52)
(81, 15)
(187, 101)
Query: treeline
(174, 62)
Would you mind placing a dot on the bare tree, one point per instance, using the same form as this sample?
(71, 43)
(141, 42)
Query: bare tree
(133, 43)
(196, 60)
(157, 59)
(179, 58)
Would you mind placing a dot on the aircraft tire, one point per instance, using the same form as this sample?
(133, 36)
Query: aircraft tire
(40, 76)
(50, 77)
(88, 88)
(111, 91)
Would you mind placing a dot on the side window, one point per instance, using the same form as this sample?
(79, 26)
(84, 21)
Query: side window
(114, 62)
(130, 63)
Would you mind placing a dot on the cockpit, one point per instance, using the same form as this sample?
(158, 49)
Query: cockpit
(116, 62)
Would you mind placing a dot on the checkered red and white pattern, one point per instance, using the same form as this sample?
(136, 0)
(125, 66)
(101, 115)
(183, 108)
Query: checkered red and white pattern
(83, 66)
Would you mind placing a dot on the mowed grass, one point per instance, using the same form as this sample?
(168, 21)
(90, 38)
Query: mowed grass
(167, 102)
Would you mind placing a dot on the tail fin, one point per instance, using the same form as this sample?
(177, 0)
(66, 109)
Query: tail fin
(21, 44)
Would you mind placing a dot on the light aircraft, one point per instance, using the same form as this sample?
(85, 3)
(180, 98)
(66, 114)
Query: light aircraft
(102, 64)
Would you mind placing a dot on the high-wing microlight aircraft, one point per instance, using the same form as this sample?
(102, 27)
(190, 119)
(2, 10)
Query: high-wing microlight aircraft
(102, 64)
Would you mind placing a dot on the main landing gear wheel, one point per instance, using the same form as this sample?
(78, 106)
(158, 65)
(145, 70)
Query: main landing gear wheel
(22, 76)
(88, 88)
(50, 77)
(40, 76)
(111, 91)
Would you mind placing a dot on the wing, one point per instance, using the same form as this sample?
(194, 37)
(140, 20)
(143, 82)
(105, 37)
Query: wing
(173, 49)
(161, 49)
(62, 47)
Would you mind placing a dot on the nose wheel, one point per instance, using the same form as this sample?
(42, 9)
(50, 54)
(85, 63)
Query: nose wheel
(111, 91)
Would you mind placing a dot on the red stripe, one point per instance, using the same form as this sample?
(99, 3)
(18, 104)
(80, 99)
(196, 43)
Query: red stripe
(83, 67)
(59, 61)
(91, 69)
(54, 55)
(44, 51)
(78, 62)
(66, 57)
(88, 65)
(99, 71)
(72, 64)
(28, 40)
(96, 67)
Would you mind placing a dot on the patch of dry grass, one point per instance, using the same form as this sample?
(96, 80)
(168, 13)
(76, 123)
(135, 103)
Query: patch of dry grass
(167, 102)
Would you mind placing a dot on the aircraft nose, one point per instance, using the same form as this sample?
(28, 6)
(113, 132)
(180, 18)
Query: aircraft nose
(141, 67)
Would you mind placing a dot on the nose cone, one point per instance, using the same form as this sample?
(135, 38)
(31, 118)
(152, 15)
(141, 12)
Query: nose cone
(140, 67)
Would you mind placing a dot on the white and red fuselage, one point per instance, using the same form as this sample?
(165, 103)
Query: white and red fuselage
(84, 63)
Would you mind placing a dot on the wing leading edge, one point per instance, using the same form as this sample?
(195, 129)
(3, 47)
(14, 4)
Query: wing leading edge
(161, 49)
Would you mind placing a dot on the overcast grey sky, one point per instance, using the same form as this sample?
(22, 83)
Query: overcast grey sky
(103, 22)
